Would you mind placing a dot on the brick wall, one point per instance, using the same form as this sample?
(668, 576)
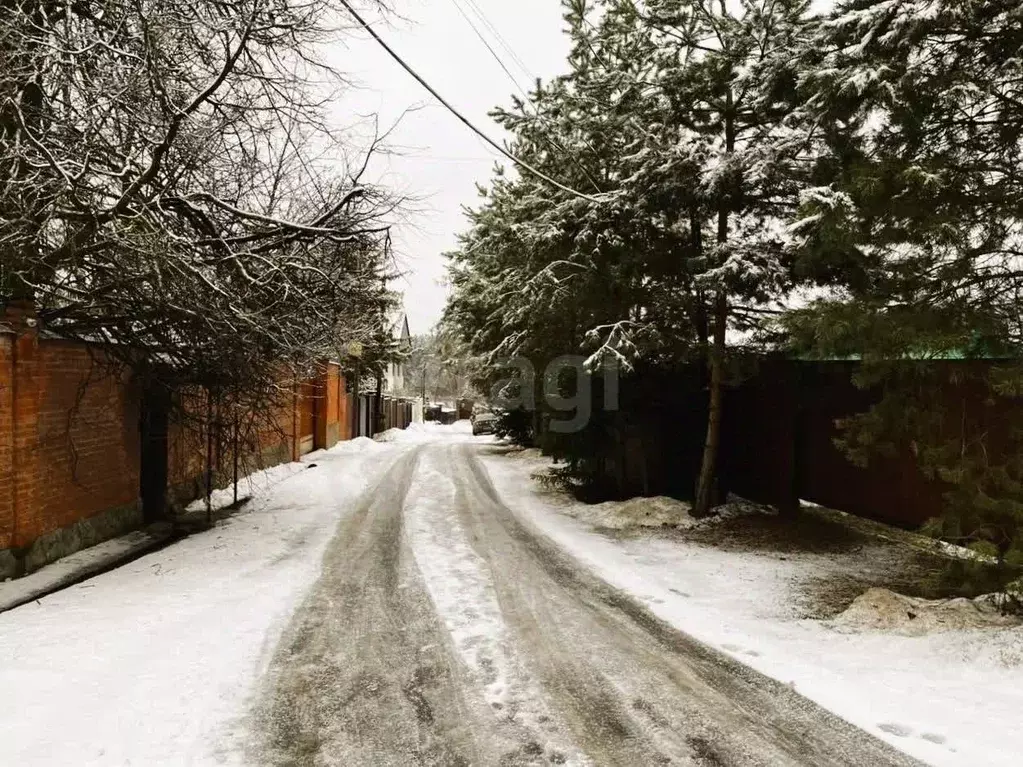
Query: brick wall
(7, 338)
(70, 443)
(311, 415)
(86, 441)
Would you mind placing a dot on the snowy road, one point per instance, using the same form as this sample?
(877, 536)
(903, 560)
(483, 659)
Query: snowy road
(445, 630)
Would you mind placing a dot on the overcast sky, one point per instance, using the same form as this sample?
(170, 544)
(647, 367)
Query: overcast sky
(441, 159)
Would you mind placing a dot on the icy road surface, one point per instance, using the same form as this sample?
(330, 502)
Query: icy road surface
(446, 630)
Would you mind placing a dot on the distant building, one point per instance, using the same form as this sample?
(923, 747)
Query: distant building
(394, 372)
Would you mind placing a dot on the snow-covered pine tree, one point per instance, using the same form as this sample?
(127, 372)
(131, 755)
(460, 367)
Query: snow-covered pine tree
(679, 119)
(917, 215)
(725, 109)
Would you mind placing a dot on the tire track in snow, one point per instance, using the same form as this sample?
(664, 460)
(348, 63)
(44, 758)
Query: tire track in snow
(364, 674)
(463, 593)
(637, 690)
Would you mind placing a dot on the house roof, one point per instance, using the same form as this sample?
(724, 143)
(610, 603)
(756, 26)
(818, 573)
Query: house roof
(398, 322)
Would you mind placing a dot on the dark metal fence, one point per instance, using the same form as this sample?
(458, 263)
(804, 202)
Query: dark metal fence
(778, 440)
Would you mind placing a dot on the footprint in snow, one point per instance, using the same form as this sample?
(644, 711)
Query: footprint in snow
(898, 730)
(932, 738)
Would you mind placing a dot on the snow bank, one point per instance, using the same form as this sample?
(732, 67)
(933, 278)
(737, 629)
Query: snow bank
(78, 565)
(652, 512)
(883, 610)
(254, 484)
(430, 431)
(391, 435)
(358, 445)
(636, 512)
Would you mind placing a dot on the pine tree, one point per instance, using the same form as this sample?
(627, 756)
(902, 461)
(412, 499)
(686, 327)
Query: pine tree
(679, 119)
(915, 213)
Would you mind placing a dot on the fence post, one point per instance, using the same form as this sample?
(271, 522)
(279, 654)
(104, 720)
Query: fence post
(789, 489)
(8, 478)
(209, 456)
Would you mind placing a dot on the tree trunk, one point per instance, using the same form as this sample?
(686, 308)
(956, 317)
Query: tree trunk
(708, 465)
(235, 457)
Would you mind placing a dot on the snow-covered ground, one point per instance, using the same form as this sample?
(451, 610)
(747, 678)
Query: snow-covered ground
(17, 591)
(947, 698)
(462, 590)
(158, 662)
(429, 431)
(154, 663)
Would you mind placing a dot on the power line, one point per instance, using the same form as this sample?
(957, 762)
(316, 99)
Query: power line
(521, 163)
(551, 143)
(490, 48)
(501, 39)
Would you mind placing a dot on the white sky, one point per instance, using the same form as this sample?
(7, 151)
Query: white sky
(441, 160)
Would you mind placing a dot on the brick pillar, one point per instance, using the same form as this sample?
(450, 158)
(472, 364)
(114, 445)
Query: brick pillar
(7, 486)
(321, 408)
(345, 405)
(23, 396)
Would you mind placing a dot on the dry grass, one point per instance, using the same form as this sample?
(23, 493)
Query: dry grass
(859, 554)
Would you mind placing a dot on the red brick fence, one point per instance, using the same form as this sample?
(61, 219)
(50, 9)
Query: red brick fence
(84, 455)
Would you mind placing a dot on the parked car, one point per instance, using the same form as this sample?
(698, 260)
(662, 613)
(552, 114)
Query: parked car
(483, 422)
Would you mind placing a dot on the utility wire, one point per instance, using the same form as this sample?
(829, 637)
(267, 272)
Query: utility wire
(490, 48)
(551, 143)
(521, 163)
(501, 39)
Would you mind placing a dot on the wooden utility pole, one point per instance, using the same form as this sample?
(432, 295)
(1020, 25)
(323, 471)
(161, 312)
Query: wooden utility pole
(355, 398)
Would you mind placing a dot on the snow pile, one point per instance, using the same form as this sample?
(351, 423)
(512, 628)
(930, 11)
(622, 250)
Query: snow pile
(428, 432)
(391, 435)
(256, 483)
(883, 610)
(528, 454)
(636, 512)
(657, 511)
(357, 445)
(735, 508)
(961, 552)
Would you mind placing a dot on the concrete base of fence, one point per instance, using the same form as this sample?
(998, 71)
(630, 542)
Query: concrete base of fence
(333, 434)
(72, 570)
(9, 564)
(73, 538)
